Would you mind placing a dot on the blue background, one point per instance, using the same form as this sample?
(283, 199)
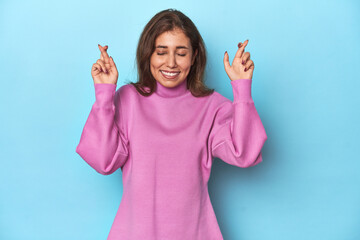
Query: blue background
(305, 88)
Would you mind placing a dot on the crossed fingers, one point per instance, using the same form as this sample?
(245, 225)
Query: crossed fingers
(104, 60)
(104, 56)
(243, 57)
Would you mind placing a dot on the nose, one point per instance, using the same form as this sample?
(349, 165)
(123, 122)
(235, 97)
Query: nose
(171, 61)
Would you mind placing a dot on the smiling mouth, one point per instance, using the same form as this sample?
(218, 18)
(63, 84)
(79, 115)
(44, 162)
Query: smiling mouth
(169, 74)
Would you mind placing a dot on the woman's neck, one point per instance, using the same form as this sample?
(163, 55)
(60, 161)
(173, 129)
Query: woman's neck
(169, 92)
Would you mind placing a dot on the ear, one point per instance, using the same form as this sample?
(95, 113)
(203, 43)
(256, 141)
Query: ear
(193, 58)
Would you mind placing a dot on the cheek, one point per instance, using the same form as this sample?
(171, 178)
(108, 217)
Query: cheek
(185, 63)
(155, 62)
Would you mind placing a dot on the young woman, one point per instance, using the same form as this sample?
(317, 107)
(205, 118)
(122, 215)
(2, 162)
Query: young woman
(164, 131)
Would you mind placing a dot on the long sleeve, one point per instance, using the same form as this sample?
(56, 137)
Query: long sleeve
(103, 144)
(238, 134)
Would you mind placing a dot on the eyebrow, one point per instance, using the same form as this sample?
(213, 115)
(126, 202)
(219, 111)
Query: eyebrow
(178, 47)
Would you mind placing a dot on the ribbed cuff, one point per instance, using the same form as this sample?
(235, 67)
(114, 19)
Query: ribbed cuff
(104, 94)
(242, 90)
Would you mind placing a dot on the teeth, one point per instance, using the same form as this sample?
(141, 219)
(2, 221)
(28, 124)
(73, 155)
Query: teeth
(169, 74)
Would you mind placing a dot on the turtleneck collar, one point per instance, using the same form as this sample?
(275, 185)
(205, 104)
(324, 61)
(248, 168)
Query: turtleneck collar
(176, 91)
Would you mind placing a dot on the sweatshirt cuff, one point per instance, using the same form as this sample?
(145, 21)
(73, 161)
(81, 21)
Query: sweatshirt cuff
(104, 94)
(242, 90)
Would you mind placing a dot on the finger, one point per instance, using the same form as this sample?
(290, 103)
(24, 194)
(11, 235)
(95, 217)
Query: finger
(245, 57)
(240, 51)
(112, 63)
(103, 47)
(100, 48)
(226, 61)
(96, 67)
(251, 67)
(102, 64)
(248, 65)
(104, 55)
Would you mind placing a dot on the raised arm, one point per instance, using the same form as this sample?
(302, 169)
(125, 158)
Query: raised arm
(103, 144)
(238, 134)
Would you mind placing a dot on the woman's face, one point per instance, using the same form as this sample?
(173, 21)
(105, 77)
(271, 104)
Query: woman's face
(172, 59)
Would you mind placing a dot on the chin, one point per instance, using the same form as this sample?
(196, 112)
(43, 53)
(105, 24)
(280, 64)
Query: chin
(171, 83)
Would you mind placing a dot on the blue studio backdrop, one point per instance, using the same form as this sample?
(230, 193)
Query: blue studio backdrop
(305, 88)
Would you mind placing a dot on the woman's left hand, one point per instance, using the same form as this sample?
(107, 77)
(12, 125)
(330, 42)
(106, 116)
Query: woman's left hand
(242, 67)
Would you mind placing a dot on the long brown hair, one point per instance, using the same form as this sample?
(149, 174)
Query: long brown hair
(168, 20)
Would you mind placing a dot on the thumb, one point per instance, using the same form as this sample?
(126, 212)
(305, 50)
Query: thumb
(226, 61)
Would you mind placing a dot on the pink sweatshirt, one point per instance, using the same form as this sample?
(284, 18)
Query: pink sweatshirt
(165, 145)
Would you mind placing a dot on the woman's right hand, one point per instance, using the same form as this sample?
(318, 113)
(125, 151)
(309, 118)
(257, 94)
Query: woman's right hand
(104, 70)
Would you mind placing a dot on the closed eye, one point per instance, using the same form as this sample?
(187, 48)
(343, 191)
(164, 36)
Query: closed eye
(182, 55)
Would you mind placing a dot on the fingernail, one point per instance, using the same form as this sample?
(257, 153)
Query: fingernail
(225, 52)
(245, 69)
(239, 45)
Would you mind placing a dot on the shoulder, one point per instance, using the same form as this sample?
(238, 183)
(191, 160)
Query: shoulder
(126, 91)
(125, 94)
(218, 100)
(221, 107)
